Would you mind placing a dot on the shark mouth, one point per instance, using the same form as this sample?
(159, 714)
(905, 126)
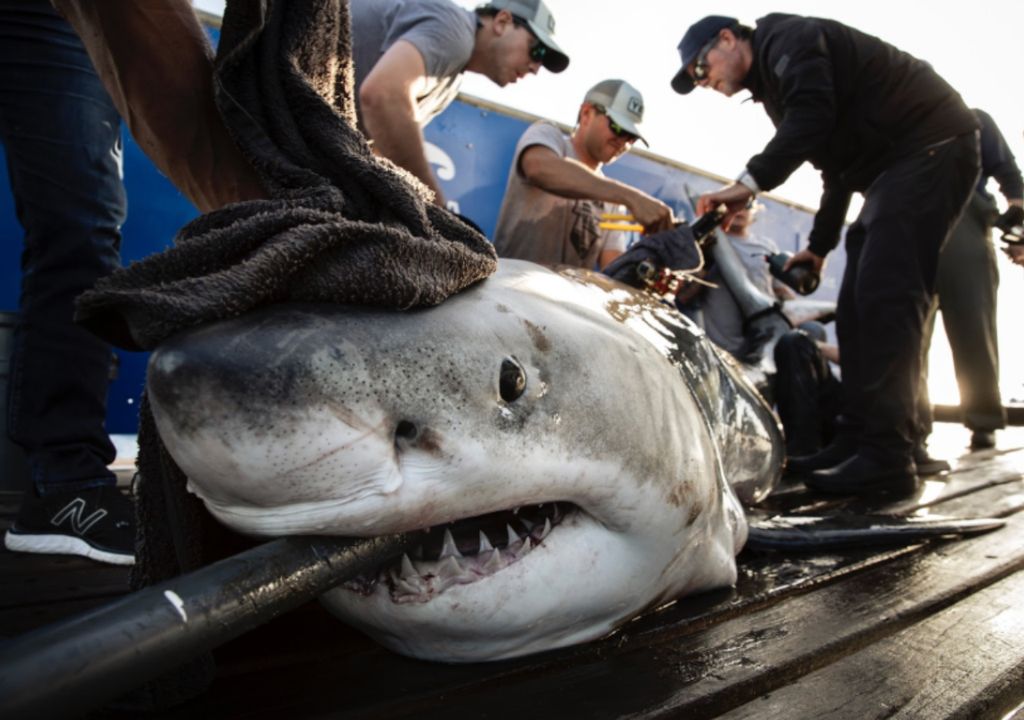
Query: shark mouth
(463, 552)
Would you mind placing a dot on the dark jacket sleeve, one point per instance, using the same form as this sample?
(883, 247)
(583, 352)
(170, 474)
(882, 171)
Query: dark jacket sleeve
(997, 159)
(796, 63)
(828, 221)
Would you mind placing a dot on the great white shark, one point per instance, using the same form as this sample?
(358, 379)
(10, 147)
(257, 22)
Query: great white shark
(573, 452)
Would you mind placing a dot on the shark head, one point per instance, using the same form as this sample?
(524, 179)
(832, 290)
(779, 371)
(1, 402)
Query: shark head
(570, 451)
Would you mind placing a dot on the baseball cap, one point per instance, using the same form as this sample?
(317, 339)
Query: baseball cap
(695, 38)
(622, 102)
(541, 22)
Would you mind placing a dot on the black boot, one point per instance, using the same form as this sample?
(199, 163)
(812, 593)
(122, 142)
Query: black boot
(860, 475)
(983, 439)
(842, 447)
(926, 464)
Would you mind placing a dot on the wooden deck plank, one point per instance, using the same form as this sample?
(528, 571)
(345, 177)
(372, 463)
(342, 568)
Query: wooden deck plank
(789, 615)
(713, 670)
(659, 671)
(963, 662)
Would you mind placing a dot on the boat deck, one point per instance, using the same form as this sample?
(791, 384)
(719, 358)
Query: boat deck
(929, 631)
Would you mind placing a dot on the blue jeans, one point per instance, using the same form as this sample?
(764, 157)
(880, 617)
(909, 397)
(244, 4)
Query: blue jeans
(62, 138)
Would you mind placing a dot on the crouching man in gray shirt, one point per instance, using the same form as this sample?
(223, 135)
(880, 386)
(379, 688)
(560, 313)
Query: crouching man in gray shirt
(556, 191)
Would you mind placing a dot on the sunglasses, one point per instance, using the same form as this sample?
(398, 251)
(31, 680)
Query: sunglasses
(700, 65)
(617, 130)
(538, 50)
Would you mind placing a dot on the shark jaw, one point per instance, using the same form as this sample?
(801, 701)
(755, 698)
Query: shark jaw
(464, 552)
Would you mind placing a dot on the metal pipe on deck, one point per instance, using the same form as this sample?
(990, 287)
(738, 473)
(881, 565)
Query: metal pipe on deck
(71, 667)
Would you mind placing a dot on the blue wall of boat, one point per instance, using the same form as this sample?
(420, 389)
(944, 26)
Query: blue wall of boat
(471, 147)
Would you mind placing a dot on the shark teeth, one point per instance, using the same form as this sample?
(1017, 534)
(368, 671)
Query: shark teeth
(448, 548)
(465, 552)
(407, 567)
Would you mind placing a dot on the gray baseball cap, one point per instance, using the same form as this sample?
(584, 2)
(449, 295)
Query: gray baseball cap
(622, 102)
(541, 22)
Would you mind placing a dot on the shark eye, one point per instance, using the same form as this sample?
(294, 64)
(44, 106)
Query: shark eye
(512, 380)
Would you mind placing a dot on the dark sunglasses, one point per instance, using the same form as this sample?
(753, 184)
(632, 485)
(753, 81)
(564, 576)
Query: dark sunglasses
(538, 50)
(700, 66)
(617, 130)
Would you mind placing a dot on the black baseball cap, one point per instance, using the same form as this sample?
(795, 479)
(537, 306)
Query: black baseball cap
(695, 38)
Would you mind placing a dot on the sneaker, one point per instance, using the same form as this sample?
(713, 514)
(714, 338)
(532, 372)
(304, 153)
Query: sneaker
(98, 523)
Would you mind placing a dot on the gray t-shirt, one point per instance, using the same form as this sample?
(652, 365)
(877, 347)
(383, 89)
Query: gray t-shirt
(723, 319)
(537, 225)
(443, 33)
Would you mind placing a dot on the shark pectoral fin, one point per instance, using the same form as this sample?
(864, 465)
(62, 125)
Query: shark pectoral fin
(806, 533)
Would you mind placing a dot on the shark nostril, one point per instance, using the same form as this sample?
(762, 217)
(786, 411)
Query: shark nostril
(407, 430)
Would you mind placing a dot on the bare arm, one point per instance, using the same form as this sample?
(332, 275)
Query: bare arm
(157, 65)
(735, 197)
(569, 178)
(606, 257)
(387, 100)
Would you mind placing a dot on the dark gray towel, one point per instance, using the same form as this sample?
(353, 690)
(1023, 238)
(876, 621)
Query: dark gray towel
(341, 225)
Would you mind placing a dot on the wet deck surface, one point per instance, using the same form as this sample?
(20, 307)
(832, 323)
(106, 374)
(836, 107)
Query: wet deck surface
(931, 631)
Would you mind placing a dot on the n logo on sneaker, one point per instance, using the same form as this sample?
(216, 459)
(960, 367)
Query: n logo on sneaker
(73, 511)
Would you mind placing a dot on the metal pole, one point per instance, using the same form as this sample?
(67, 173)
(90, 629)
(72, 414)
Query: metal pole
(71, 667)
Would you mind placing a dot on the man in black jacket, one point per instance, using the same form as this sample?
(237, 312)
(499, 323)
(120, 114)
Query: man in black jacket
(873, 120)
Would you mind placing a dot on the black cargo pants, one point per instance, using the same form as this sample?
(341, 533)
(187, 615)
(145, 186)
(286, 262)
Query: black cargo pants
(892, 256)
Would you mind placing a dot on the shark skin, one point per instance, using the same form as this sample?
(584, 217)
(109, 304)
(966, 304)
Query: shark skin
(573, 452)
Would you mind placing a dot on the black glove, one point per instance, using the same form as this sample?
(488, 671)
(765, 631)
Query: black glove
(1010, 219)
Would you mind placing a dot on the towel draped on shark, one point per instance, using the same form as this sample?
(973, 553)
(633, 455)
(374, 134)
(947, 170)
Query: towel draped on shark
(573, 451)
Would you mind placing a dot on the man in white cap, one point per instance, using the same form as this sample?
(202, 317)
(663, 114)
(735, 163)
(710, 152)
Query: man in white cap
(409, 57)
(556, 191)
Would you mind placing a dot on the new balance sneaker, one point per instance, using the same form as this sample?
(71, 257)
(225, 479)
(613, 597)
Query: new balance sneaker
(98, 523)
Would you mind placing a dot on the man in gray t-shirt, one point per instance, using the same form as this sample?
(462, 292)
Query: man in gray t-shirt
(409, 56)
(556, 192)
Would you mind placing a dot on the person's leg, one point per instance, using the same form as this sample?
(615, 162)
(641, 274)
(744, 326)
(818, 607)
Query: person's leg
(926, 464)
(924, 403)
(907, 216)
(62, 139)
(801, 374)
(848, 328)
(967, 285)
(846, 431)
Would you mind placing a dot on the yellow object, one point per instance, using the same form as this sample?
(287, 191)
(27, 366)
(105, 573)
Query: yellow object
(627, 227)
